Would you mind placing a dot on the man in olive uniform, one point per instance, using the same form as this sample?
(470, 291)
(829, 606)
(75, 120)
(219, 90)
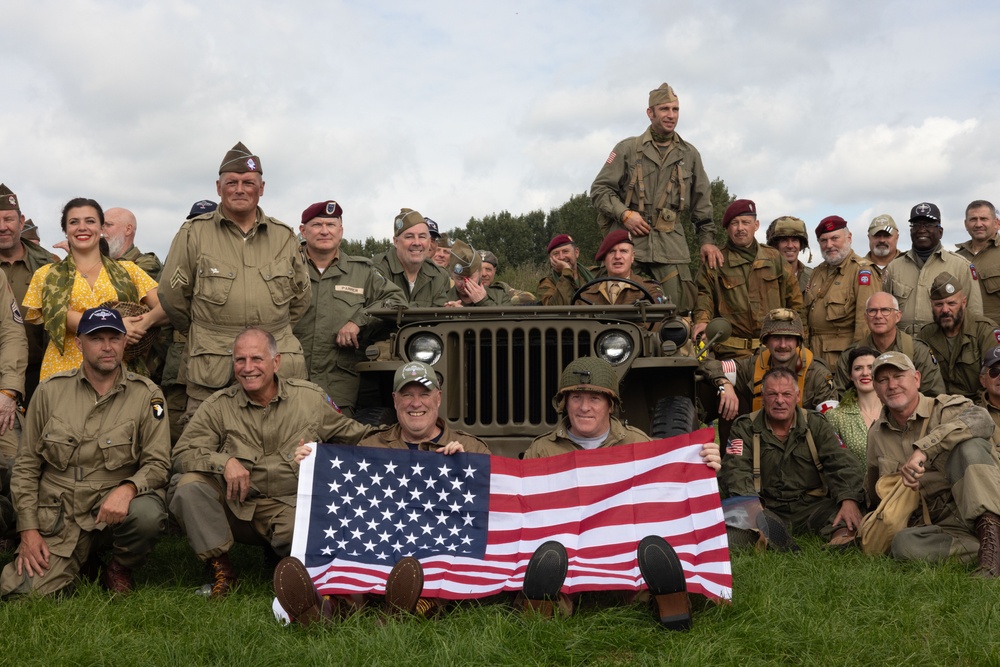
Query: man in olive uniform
(236, 457)
(989, 379)
(229, 269)
(442, 250)
(793, 460)
(91, 469)
(336, 328)
(568, 274)
(788, 234)
(618, 254)
(501, 291)
(941, 447)
(882, 315)
(837, 292)
(983, 251)
(408, 265)
(119, 231)
(909, 276)
(19, 259)
(13, 361)
(883, 241)
(465, 270)
(645, 185)
(751, 282)
(958, 338)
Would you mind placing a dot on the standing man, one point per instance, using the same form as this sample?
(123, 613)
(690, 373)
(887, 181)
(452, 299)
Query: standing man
(788, 234)
(795, 463)
(19, 259)
(910, 275)
(119, 231)
(568, 274)
(983, 251)
(958, 338)
(236, 457)
(883, 239)
(837, 292)
(13, 361)
(882, 315)
(91, 470)
(407, 263)
(618, 254)
(229, 269)
(336, 329)
(941, 447)
(645, 185)
(751, 282)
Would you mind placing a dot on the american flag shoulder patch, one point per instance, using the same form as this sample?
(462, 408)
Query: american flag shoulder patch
(735, 447)
(611, 158)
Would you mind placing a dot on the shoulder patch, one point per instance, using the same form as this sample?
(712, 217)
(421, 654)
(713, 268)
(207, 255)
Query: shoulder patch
(996, 334)
(15, 312)
(611, 158)
(157, 406)
(735, 447)
(179, 278)
(972, 270)
(864, 277)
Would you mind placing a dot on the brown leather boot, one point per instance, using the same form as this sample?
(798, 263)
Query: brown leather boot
(117, 578)
(988, 532)
(223, 576)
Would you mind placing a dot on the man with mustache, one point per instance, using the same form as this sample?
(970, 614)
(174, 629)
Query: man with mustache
(883, 237)
(983, 251)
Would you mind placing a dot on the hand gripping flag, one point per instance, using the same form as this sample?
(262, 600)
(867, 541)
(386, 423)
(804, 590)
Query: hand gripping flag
(473, 520)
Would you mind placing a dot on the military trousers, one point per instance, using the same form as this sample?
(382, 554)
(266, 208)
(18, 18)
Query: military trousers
(975, 489)
(199, 504)
(675, 281)
(810, 514)
(130, 542)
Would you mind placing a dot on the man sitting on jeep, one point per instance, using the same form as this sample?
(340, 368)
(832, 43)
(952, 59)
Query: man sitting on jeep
(617, 252)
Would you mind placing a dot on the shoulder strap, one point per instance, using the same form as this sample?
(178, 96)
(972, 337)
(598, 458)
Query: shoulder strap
(822, 491)
(636, 179)
(756, 454)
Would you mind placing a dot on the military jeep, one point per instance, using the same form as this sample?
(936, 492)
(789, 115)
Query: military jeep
(501, 366)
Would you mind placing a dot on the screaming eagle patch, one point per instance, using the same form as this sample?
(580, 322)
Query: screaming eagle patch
(158, 410)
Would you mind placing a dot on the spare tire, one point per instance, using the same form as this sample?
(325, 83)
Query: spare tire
(673, 415)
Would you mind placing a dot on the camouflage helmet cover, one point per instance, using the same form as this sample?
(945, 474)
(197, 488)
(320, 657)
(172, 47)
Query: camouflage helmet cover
(784, 321)
(587, 374)
(787, 226)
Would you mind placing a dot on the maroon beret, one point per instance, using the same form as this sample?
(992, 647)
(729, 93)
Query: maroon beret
(738, 208)
(830, 223)
(325, 209)
(610, 241)
(559, 240)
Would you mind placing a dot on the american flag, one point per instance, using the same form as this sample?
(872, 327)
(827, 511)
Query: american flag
(473, 520)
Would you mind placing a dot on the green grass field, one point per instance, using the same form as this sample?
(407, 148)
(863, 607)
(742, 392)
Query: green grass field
(813, 608)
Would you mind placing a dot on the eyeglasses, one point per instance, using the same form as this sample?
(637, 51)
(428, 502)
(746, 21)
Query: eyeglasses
(924, 223)
(884, 312)
(994, 372)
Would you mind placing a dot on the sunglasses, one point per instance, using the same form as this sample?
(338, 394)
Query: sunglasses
(994, 372)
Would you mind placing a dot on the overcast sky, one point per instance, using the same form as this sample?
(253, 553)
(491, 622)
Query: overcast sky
(462, 109)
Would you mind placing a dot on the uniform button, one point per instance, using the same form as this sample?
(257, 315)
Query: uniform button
(267, 276)
(108, 441)
(230, 274)
(229, 351)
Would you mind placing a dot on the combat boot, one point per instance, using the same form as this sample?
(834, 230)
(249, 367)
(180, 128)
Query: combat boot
(223, 576)
(988, 532)
(117, 578)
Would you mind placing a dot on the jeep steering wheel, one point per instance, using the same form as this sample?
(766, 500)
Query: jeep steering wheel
(608, 279)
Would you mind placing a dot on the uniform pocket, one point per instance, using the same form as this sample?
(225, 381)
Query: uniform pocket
(280, 279)
(118, 446)
(215, 280)
(58, 444)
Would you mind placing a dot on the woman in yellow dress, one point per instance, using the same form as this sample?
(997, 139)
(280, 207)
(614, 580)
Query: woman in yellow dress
(60, 292)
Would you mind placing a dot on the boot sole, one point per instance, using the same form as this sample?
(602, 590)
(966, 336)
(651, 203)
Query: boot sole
(404, 585)
(664, 575)
(546, 572)
(296, 593)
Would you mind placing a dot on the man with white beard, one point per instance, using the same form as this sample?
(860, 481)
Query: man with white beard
(883, 238)
(837, 293)
(119, 231)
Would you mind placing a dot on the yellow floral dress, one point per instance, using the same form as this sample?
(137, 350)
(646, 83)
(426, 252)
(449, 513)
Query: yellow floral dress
(82, 298)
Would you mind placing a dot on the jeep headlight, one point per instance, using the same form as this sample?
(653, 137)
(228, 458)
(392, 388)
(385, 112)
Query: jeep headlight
(425, 347)
(614, 347)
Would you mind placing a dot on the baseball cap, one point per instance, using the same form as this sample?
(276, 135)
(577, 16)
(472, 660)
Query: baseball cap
(883, 223)
(991, 358)
(415, 371)
(925, 211)
(100, 318)
(894, 359)
(433, 227)
(202, 206)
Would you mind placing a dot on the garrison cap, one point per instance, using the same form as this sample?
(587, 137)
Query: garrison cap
(489, 258)
(944, 286)
(100, 318)
(433, 227)
(29, 231)
(444, 241)
(926, 211)
(239, 160)
(322, 209)
(463, 260)
(415, 371)
(407, 218)
(738, 208)
(787, 226)
(894, 359)
(830, 223)
(992, 357)
(662, 95)
(610, 241)
(8, 200)
(883, 223)
(203, 206)
(558, 241)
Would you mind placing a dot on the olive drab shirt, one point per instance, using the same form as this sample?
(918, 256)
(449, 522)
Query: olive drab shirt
(931, 380)
(147, 261)
(344, 292)
(743, 291)
(391, 437)
(911, 285)
(558, 442)
(431, 288)
(787, 470)
(78, 447)
(673, 180)
(217, 281)
(19, 275)
(802, 275)
(835, 302)
(13, 340)
(987, 265)
(961, 358)
(262, 438)
(600, 294)
(558, 289)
